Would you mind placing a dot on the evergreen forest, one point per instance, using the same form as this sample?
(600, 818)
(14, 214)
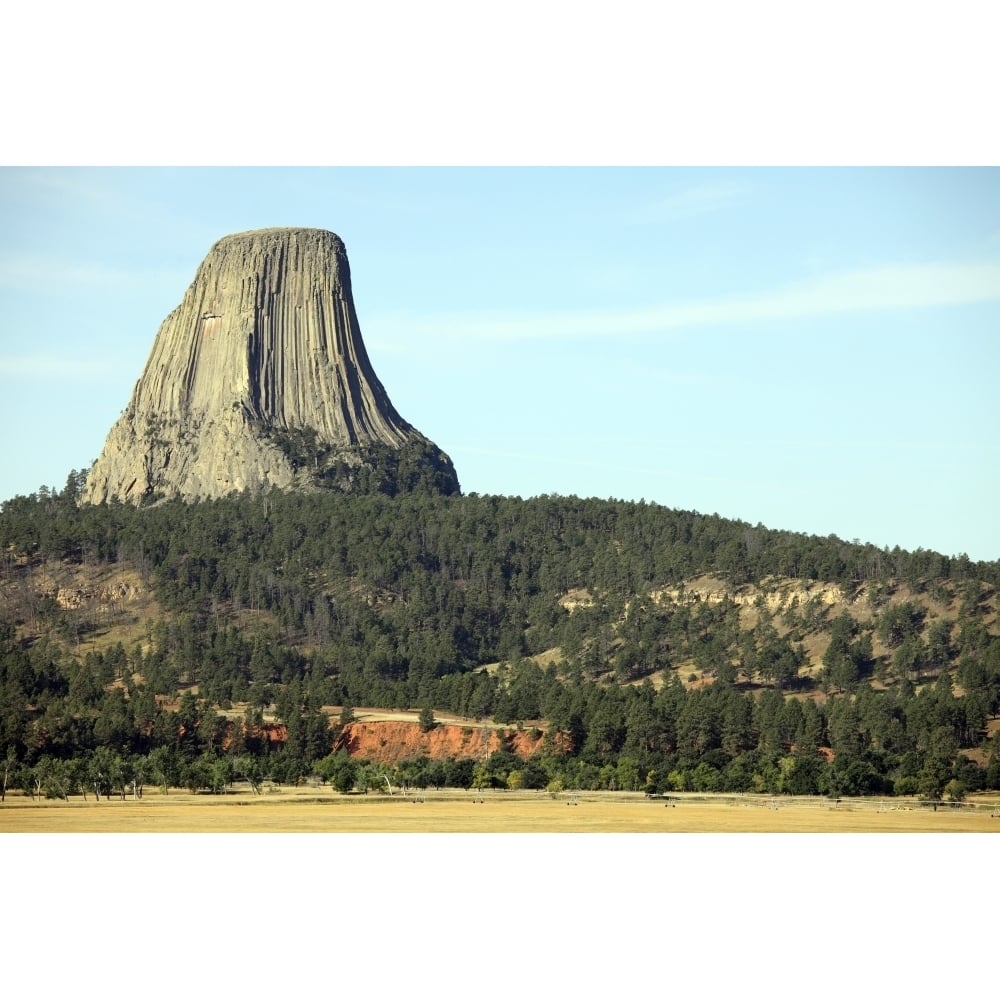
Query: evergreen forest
(648, 649)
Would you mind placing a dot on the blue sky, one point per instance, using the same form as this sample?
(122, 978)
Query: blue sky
(812, 349)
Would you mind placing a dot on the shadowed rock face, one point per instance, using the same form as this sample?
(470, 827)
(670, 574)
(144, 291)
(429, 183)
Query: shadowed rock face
(260, 378)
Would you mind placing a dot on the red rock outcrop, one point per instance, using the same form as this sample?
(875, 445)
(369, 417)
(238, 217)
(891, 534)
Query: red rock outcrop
(392, 742)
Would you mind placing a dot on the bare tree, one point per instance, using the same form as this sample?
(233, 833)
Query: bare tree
(9, 767)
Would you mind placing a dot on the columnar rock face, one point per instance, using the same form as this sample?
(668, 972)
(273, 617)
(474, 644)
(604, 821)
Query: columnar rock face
(259, 379)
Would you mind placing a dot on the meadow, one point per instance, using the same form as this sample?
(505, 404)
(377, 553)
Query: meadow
(321, 810)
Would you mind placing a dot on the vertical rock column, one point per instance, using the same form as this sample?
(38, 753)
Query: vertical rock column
(265, 341)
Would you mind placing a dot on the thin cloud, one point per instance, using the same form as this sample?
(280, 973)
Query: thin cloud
(111, 193)
(42, 272)
(49, 367)
(75, 185)
(32, 270)
(548, 459)
(914, 286)
(694, 201)
(654, 474)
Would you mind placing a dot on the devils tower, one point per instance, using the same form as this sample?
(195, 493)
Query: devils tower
(260, 379)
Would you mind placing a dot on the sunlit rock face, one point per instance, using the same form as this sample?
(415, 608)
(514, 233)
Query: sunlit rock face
(260, 379)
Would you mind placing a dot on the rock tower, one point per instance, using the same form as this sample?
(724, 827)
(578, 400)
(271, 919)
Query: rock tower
(260, 379)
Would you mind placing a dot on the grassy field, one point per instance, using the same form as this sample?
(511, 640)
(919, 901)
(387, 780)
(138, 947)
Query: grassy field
(307, 810)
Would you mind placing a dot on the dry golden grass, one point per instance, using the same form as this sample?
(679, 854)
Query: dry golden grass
(325, 811)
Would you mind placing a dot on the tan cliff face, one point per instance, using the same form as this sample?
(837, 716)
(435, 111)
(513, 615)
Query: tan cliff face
(258, 376)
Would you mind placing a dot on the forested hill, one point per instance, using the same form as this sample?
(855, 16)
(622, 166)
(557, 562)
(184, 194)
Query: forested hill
(682, 643)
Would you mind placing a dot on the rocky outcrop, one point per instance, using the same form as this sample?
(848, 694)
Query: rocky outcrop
(260, 379)
(394, 742)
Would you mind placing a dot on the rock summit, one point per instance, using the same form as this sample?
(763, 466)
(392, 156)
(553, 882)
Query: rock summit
(260, 379)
